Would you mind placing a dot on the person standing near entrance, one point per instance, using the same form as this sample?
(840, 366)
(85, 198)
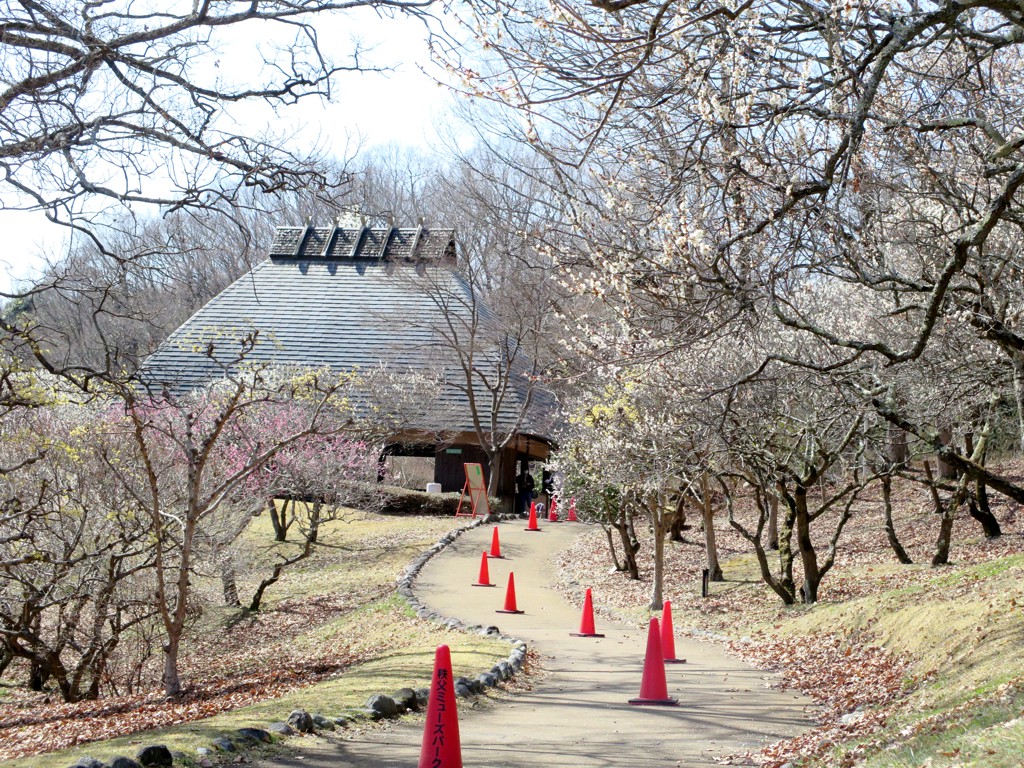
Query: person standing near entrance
(547, 487)
(524, 490)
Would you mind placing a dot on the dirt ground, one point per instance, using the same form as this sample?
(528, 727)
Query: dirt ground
(577, 714)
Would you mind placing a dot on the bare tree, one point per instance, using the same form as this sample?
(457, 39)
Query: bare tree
(77, 563)
(126, 103)
(787, 163)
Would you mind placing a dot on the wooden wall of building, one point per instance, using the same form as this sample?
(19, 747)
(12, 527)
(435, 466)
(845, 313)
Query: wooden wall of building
(451, 474)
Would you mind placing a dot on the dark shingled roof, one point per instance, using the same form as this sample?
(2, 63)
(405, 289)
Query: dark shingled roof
(342, 298)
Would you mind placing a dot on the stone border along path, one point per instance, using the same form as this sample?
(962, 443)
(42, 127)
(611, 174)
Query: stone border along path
(577, 715)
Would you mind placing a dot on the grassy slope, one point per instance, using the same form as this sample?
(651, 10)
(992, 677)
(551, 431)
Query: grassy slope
(964, 632)
(365, 554)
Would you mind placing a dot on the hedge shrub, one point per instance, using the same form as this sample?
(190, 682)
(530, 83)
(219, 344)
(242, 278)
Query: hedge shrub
(402, 501)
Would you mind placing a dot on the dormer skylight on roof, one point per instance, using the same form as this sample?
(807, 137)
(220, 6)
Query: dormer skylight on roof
(391, 244)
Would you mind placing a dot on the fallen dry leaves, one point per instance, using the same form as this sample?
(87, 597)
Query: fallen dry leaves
(844, 678)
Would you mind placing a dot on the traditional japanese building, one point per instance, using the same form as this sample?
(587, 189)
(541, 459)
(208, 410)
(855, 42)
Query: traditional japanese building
(362, 298)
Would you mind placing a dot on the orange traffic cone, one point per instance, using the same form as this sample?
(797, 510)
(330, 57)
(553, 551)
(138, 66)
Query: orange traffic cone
(532, 525)
(653, 686)
(441, 747)
(510, 597)
(571, 517)
(668, 637)
(495, 545)
(587, 622)
(484, 579)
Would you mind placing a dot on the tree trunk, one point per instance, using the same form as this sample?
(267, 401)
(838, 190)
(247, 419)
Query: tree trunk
(773, 521)
(897, 450)
(659, 527)
(788, 598)
(275, 574)
(977, 506)
(6, 657)
(808, 556)
(279, 519)
(786, 546)
(946, 512)
(890, 529)
(38, 674)
(314, 522)
(941, 556)
(977, 502)
(1018, 390)
(946, 471)
(171, 679)
(710, 546)
(611, 547)
(785, 593)
(657, 595)
(494, 462)
(228, 583)
(630, 544)
(678, 520)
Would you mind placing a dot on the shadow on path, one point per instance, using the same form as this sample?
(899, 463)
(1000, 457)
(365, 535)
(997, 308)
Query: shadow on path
(577, 716)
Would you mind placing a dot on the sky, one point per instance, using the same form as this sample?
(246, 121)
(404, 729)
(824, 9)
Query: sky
(398, 107)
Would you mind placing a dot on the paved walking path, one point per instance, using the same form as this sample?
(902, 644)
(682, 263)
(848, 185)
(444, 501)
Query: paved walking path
(577, 715)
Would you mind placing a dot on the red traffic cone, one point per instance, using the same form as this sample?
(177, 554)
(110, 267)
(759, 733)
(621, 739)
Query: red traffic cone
(532, 525)
(571, 517)
(668, 637)
(441, 747)
(653, 686)
(495, 545)
(510, 597)
(484, 579)
(587, 622)
(553, 511)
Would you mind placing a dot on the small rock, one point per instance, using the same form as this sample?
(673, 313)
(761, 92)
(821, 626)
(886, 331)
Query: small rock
(123, 762)
(406, 697)
(281, 729)
(507, 673)
(423, 696)
(155, 754)
(383, 705)
(223, 744)
(473, 685)
(463, 691)
(202, 751)
(491, 630)
(343, 721)
(301, 721)
(88, 762)
(323, 723)
(255, 734)
(487, 679)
